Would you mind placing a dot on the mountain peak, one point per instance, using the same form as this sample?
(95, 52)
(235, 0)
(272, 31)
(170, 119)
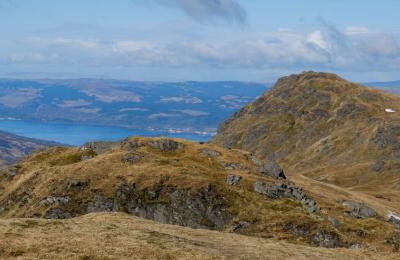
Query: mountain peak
(318, 123)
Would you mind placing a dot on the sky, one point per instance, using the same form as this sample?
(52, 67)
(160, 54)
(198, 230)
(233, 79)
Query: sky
(204, 40)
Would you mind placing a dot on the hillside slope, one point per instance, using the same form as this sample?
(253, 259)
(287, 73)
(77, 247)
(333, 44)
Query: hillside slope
(325, 131)
(14, 147)
(196, 185)
(119, 236)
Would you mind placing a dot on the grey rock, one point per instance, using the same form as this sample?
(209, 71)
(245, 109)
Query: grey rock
(100, 203)
(310, 205)
(326, 239)
(166, 145)
(300, 230)
(77, 184)
(355, 246)
(232, 179)
(2, 209)
(54, 200)
(240, 225)
(359, 210)
(209, 152)
(99, 147)
(394, 219)
(56, 213)
(378, 166)
(334, 221)
(131, 144)
(232, 166)
(271, 168)
(150, 194)
(286, 190)
(132, 157)
(203, 208)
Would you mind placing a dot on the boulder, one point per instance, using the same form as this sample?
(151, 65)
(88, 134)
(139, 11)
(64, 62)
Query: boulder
(166, 145)
(232, 179)
(51, 200)
(210, 152)
(334, 221)
(99, 147)
(326, 239)
(132, 157)
(359, 210)
(56, 213)
(77, 184)
(271, 168)
(393, 218)
(232, 166)
(240, 225)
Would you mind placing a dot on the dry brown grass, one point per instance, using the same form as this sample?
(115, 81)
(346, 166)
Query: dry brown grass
(331, 155)
(48, 173)
(119, 236)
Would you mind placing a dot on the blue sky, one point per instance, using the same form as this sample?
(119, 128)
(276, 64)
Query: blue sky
(174, 40)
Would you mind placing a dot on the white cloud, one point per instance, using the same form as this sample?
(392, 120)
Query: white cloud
(65, 42)
(194, 113)
(324, 48)
(317, 38)
(162, 115)
(124, 46)
(356, 30)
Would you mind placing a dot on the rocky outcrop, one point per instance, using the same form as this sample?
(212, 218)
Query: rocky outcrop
(100, 147)
(210, 152)
(359, 210)
(203, 208)
(286, 190)
(132, 157)
(271, 168)
(166, 145)
(321, 237)
(232, 179)
(326, 239)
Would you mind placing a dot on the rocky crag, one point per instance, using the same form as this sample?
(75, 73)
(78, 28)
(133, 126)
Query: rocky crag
(188, 184)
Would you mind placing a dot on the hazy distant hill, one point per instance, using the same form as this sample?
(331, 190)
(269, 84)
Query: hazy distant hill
(183, 105)
(14, 147)
(390, 86)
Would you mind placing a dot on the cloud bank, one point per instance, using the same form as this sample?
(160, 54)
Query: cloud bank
(352, 49)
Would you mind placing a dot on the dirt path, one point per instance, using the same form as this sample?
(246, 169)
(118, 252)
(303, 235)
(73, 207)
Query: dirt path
(336, 193)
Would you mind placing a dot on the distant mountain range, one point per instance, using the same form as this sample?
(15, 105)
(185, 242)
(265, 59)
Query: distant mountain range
(182, 106)
(389, 86)
(186, 106)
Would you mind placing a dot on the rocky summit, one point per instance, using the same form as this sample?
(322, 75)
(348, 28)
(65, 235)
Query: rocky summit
(196, 185)
(328, 134)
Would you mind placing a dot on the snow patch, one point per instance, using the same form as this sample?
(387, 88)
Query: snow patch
(389, 110)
